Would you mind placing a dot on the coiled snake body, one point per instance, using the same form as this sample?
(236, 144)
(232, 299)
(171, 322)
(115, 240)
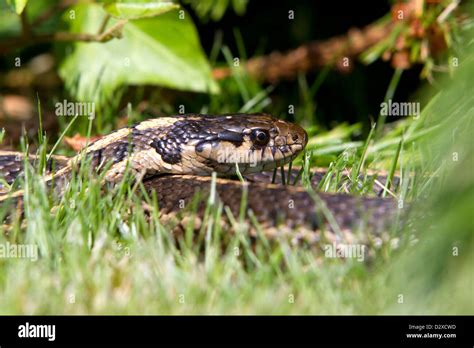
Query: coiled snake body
(174, 157)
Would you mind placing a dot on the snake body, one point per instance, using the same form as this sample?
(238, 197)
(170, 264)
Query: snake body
(175, 155)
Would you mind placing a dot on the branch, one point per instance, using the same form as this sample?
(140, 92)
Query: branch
(311, 56)
(10, 44)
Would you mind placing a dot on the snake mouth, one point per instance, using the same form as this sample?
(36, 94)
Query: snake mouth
(278, 161)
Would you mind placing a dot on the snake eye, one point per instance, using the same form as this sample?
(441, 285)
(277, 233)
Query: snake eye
(260, 137)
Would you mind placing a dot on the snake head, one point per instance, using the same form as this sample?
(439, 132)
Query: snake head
(255, 142)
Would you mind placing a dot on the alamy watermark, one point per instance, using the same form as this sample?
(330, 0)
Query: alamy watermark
(391, 108)
(346, 251)
(67, 108)
(19, 251)
(229, 156)
(28, 330)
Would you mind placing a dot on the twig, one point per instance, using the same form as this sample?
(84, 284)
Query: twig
(113, 32)
(447, 11)
(104, 24)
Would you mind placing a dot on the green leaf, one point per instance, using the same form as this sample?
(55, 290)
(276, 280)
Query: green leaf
(162, 51)
(139, 10)
(18, 5)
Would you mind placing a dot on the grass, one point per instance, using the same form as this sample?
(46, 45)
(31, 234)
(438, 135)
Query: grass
(100, 255)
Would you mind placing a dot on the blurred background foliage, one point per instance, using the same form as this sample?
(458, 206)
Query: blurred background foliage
(162, 54)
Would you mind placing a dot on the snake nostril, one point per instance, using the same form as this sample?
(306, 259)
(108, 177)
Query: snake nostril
(295, 137)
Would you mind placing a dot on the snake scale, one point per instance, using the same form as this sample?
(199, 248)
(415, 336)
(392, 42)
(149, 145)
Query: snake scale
(174, 157)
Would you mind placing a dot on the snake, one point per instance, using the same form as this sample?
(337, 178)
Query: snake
(174, 157)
